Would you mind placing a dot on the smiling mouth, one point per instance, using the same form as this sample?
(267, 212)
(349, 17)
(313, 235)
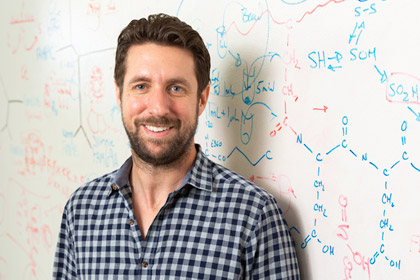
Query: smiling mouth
(156, 128)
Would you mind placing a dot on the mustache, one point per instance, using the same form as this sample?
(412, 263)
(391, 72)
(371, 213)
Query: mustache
(153, 121)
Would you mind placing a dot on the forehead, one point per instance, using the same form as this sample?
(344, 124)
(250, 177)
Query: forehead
(159, 61)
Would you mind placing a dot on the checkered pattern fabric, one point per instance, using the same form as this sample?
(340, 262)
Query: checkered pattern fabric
(217, 225)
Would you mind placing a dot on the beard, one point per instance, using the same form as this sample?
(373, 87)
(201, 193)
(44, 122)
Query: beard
(174, 149)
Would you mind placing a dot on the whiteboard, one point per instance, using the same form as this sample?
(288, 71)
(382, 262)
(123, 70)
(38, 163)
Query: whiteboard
(315, 101)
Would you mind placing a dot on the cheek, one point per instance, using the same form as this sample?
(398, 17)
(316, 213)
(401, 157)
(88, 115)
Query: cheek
(133, 106)
(136, 106)
(188, 112)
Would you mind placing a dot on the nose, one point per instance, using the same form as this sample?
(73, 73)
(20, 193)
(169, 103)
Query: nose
(159, 102)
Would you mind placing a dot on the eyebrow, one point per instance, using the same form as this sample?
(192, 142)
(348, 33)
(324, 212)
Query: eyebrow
(181, 81)
(137, 79)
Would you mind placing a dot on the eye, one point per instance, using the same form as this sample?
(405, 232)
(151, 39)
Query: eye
(141, 87)
(176, 88)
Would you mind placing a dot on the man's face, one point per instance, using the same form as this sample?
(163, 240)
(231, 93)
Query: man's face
(159, 102)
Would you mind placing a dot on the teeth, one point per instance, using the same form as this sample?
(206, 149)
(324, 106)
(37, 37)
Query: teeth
(156, 129)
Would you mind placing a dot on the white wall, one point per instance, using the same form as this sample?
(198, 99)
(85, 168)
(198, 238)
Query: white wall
(316, 101)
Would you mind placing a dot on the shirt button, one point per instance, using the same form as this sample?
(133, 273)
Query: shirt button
(131, 222)
(144, 264)
(114, 187)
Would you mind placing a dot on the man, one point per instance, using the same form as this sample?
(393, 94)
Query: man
(169, 212)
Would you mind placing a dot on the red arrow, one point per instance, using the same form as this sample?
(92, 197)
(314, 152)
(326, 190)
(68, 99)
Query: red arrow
(321, 109)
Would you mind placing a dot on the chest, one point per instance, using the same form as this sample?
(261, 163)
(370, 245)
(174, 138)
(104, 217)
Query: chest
(195, 239)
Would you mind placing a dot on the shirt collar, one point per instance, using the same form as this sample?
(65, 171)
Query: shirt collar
(199, 175)
(121, 177)
(201, 171)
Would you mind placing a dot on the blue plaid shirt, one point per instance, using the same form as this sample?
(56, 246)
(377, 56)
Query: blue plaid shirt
(217, 225)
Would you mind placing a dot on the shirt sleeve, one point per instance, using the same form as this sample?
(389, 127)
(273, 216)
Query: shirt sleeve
(271, 253)
(64, 262)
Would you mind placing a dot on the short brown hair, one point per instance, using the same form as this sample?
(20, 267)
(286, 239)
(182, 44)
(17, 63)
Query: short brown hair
(164, 30)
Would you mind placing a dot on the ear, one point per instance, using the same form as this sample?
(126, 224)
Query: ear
(203, 100)
(118, 94)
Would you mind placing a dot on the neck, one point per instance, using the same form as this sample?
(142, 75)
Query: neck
(154, 183)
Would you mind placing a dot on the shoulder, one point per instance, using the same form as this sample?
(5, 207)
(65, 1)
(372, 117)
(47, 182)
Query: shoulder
(231, 183)
(250, 205)
(92, 192)
(222, 181)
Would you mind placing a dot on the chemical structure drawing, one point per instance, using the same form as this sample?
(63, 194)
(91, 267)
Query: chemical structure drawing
(315, 101)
